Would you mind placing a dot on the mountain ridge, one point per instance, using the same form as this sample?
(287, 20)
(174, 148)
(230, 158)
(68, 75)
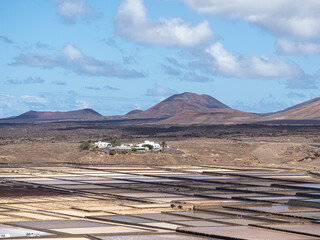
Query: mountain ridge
(186, 108)
(32, 115)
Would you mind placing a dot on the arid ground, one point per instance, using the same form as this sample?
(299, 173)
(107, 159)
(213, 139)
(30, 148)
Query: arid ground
(238, 145)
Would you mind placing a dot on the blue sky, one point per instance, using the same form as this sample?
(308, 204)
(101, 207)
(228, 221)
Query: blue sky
(115, 56)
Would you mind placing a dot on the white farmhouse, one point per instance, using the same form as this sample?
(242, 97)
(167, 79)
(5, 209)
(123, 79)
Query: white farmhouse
(102, 144)
(156, 146)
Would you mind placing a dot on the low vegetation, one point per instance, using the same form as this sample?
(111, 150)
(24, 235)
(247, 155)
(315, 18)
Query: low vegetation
(114, 142)
(85, 146)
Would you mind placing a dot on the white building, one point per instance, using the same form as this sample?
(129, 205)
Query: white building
(102, 144)
(156, 146)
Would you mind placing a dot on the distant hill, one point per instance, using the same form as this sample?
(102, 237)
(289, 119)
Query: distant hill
(137, 111)
(309, 110)
(185, 109)
(33, 116)
(219, 116)
(179, 103)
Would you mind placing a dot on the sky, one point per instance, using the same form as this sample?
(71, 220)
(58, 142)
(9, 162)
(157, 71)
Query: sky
(115, 56)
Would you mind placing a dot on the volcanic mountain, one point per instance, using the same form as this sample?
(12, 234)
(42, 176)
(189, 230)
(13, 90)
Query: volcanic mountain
(178, 103)
(309, 110)
(222, 116)
(33, 116)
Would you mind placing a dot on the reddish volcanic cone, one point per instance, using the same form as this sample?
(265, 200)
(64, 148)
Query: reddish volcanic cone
(185, 102)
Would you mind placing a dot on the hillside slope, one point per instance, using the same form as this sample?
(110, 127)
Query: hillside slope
(33, 116)
(180, 103)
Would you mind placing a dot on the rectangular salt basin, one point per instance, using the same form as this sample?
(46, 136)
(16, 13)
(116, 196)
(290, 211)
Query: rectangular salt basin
(305, 185)
(205, 177)
(275, 198)
(31, 179)
(100, 230)
(288, 177)
(313, 200)
(82, 186)
(106, 182)
(62, 224)
(200, 223)
(247, 233)
(302, 228)
(44, 181)
(164, 225)
(234, 212)
(182, 198)
(155, 180)
(124, 219)
(56, 182)
(279, 208)
(19, 232)
(161, 217)
(199, 215)
(13, 176)
(240, 221)
(81, 178)
(315, 215)
(150, 195)
(149, 237)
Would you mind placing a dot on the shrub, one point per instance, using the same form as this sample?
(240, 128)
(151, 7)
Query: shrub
(112, 152)
(148, 146)
(124, 152)
(114, 142)
(84, 146)
(134, 150)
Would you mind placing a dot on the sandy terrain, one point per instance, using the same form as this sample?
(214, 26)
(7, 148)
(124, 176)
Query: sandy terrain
(238, 146)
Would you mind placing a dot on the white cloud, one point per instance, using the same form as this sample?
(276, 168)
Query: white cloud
(287, 47)
(224, 63)
(81, 104)
(73, 59)
(71, 10)
(33, 99)
(15, 105)
(72, 53)
(59, 101)
(160, 91)
(29, 80)
(131, 22)
(294, 17)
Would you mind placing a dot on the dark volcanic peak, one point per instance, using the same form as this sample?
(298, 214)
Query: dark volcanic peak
(179, 103)
(196, 99)
(43, 116)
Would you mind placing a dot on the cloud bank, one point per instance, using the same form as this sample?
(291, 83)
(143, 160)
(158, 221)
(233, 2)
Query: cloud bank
(71, 58)
(29, 80)
(224, 63)
(132, 22)
(158, 91)
(286, 17)
(287, 47)
(72, 10)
